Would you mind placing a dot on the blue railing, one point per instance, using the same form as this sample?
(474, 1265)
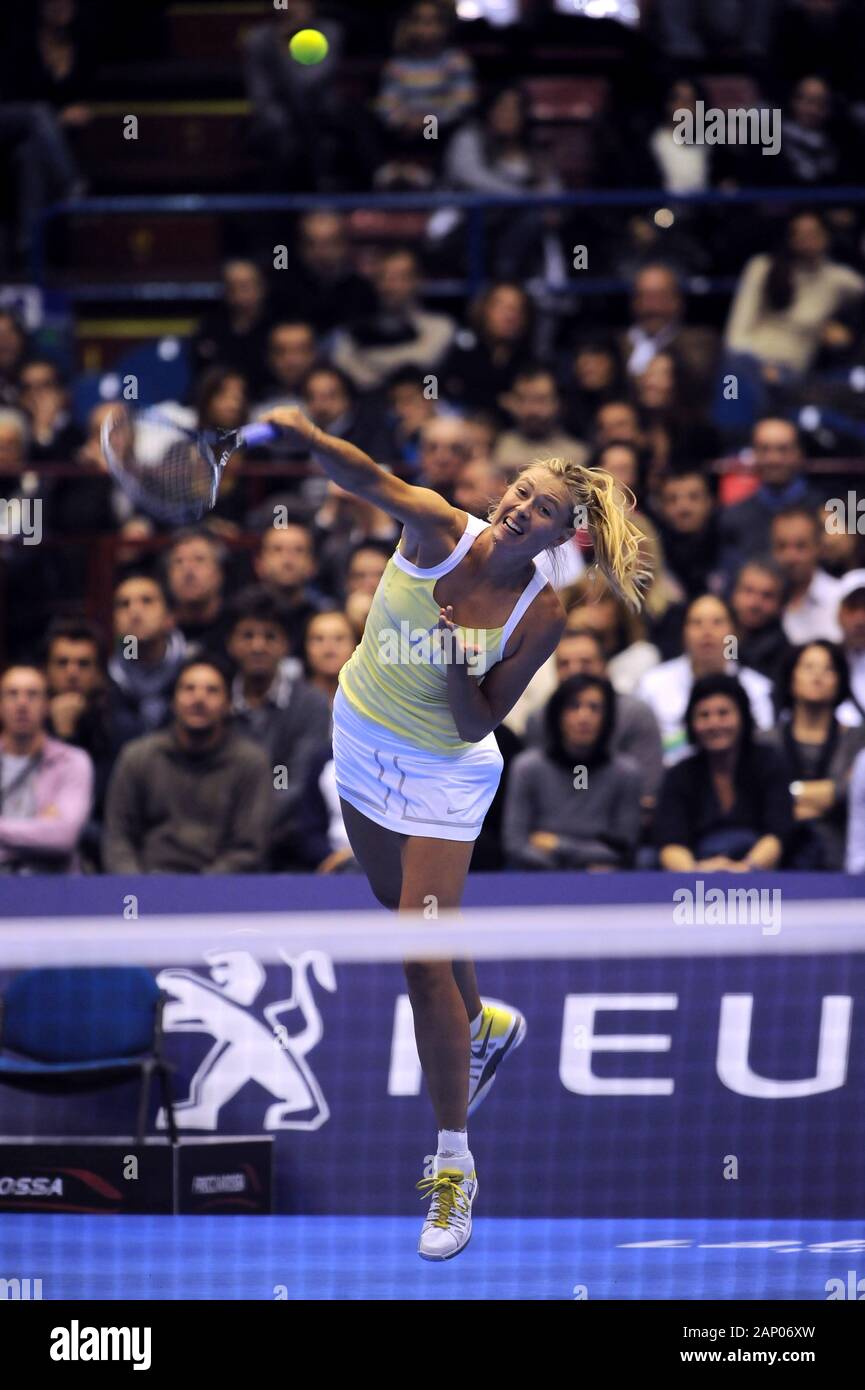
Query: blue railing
(475, 206)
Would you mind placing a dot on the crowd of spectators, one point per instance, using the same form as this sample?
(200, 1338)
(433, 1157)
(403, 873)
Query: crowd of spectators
(722, 727)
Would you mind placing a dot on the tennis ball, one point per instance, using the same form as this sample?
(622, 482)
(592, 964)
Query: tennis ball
(308, 46)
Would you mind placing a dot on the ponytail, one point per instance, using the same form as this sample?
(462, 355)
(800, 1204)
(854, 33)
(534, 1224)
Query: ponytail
(618, 544)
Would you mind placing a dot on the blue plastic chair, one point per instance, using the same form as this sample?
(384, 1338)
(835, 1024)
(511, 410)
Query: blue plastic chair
(85, 1029)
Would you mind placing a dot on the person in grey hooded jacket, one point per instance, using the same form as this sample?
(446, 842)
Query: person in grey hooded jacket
(574, 805)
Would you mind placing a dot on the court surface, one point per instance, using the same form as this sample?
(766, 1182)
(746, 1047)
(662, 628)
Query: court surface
(321, 1257)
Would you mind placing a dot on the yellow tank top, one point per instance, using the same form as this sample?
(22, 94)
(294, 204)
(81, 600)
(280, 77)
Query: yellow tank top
(397, 676)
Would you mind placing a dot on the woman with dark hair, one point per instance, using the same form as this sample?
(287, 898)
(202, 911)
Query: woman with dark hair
(671, 425)
(727, 805)
(221, 399)
(328, 642)
(497, 154)
(680, 166)
(818, 752)
(484, 360)
(786, 307)
(629, 466)
(593, 374)
(574, 805)
(494, 153)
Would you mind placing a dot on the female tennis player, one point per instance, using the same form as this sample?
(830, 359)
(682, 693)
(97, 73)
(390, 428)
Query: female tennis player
(460, 622)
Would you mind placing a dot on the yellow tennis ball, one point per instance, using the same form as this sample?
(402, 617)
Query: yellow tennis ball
(308, 46)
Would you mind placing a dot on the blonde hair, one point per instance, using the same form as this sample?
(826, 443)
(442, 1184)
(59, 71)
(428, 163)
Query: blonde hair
(618, 543)
(661, 593)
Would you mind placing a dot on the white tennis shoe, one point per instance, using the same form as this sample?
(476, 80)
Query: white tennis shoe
(501, 1031)
(448, 1226)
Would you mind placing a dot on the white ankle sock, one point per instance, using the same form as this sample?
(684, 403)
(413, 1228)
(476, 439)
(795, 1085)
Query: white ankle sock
(475, 1025)
(454, 1143)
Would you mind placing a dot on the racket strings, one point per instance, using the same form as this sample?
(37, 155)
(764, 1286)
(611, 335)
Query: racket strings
(185, 476)
(163, 468)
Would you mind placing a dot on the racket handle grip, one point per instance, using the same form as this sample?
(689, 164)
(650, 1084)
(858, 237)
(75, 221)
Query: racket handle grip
(252, 435)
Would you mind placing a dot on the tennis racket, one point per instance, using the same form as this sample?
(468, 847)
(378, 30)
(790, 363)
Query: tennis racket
(171, 472)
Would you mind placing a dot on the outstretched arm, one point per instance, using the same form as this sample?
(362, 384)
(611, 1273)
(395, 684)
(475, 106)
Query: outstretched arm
(418, 508)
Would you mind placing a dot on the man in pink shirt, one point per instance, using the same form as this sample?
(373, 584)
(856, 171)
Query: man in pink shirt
(45, 786)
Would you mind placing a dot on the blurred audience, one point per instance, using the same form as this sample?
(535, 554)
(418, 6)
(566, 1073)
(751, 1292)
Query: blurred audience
(194, 798)
(851, 620)
(444, 452)
(300, 123)
(818, 753)
(635, 732)
(46, 786)
(688, 529)
(810, 595)
(195, 575)
(779, 468)
(332, 403)
(425, 80)
(273, 704)
(454, 349)
(285, 563)
(328, 644)
(148, 652)
(726, 806)
(592, 376)
(398, 332)
(45, 397)
(535, 408)
(79, 714)
(320, 286)
(13, 347)
(809, 154)
(235, 334)
(575, 804)
(290, 357)
(486, 355)
(691, 31)
(708, 640)
(658, 310)
(787, 306)
(757, 604)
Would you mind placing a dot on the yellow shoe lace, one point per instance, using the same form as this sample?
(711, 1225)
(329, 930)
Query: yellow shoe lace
(447, 1194)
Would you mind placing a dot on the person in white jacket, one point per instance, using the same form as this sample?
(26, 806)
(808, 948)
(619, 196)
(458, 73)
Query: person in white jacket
(710, 649)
